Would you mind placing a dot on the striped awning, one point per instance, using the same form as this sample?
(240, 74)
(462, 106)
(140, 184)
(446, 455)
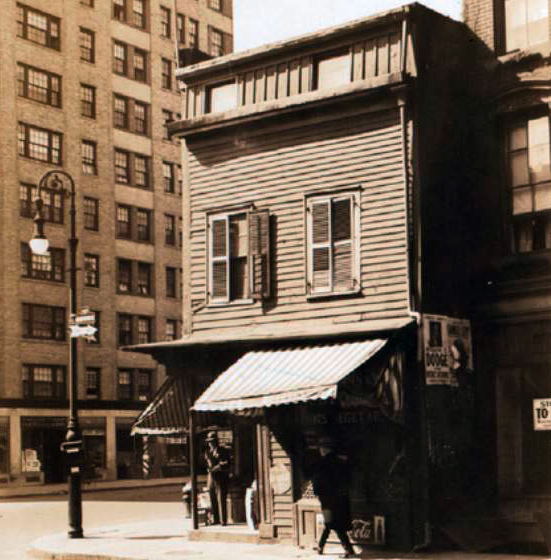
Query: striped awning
(167, 414)
(284, 376)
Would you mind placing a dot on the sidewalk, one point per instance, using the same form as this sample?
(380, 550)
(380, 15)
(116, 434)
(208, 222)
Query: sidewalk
(167, 540)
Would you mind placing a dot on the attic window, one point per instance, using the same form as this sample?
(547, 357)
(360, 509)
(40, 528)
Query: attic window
(221, 97)
(332, 69)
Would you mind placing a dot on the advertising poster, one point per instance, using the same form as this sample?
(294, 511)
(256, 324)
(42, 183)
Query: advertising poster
(542, 414)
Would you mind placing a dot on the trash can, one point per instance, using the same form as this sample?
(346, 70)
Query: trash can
(186, 499)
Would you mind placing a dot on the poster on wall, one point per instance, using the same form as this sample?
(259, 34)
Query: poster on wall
(542, 414)
(448, 348)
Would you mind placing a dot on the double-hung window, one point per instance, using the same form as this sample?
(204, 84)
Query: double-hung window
(87, 45)
(526, 23)
(88, 101)
(165, 22)
(39, 143)
(91, 213)
(39, 85)
(138, 9)
(529, 163)
(89, 158)
(43, 321)
(332, 243)
(238, 256)
(91, 270)
(43, 267)
(37, 27)
(42, 381)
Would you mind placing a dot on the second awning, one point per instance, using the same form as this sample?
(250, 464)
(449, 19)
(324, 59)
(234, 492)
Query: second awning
(284, 376)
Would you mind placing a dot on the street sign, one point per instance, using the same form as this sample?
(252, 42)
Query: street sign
(86, 331)
(85, 319)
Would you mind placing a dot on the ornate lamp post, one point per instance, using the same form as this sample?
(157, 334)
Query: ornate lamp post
(72, 445)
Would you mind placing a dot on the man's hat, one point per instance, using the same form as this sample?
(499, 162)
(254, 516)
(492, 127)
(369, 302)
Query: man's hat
(212, 436)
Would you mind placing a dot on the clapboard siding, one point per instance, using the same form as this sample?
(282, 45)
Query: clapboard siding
(282, 503)
(274, 170)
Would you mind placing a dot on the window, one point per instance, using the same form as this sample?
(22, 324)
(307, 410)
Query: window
(97, 334)
(89, 162)
(43, 267)
(53, 209)
(91, 213)
(193, 33)
(332, 244)
(140, 117)
(143, 222)
(124, 229)
(332, 70)
(93, 379)
(124, 323)
(180, 183)
(91, 270)
(167, 119)
(221, 97)
(180, 235)
(216, 42)
(170, 230)
(120, 112)
(125, 276)
(526, 23)
(39, 85)
(529, 164)
(215, 5)
(119, 10)
(139, 59)
(165, 22)
(171, 329)
(166, 76)
(39, 143)
(122, 170)
(181, 25)
(141, 171)
(88, 101)
(124, 385)
(144, 330)
(119, 58)
(144, 279)
(87, 45)
(37, 27)
(168, 177)
(170, 282)
(44, 381)
(139, 13)
(145, 387)
(43, 321)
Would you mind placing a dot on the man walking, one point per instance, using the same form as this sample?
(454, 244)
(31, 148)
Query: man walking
(218, 467)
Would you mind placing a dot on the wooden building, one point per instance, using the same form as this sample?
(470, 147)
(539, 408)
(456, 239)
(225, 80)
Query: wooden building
(325, 211)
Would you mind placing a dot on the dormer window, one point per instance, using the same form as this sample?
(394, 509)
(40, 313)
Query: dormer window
(221, 97)
(332, 70)
(526, 23)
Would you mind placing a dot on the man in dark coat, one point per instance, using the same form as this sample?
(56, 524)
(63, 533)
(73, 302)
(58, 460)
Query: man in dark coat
(218, 467)
(331, 481)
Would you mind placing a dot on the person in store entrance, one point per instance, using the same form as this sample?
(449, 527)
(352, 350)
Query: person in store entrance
(331, 485)
(217, 458)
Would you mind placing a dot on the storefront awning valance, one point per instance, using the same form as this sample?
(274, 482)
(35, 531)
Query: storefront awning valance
(285, 376)
(167, 414)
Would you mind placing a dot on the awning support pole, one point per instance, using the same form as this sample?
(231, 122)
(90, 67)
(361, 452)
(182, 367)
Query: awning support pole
(193, 470)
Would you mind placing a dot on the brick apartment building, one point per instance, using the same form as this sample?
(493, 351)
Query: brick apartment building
(88, 86)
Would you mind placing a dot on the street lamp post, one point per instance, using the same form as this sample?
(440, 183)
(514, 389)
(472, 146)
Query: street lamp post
(73, 439)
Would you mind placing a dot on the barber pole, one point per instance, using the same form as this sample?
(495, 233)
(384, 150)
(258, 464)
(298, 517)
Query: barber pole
(146, 458)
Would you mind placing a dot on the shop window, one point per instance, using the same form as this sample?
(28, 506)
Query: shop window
(4, 445)
(526, 23)
(332, 70)
(44, 381)
(529, 182)
(93, 436)
(239, 256)
(332, 244)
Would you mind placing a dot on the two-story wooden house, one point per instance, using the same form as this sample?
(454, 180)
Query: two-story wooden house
(325, 208)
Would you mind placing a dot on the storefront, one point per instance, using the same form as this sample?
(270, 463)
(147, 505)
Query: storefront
(367, 393)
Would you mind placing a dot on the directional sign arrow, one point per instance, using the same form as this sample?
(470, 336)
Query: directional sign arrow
(87, 331)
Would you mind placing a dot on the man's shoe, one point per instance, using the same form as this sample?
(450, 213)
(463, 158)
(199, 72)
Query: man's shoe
(318, 549)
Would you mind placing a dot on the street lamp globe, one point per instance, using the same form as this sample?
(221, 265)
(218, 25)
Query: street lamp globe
(39, 245)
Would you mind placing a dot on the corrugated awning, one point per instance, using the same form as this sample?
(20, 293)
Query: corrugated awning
(167, 414)
(284, 376)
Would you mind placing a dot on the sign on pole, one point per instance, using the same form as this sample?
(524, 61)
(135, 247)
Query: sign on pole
(542, 414)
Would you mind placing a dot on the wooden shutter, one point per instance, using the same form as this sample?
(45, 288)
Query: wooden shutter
(219, 259)
(227, 43)
(259, 254)
(343, 263)
(320, 246)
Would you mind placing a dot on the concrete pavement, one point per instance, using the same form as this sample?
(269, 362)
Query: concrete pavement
(167, 539)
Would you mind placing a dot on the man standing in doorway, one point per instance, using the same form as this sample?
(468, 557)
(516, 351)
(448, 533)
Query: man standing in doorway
(218, 466)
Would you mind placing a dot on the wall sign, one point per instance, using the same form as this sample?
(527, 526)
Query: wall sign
(542, 414)
(280, 479)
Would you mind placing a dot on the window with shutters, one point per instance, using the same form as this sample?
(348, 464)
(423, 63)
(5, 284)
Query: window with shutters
(333, 244)
(239, 256)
